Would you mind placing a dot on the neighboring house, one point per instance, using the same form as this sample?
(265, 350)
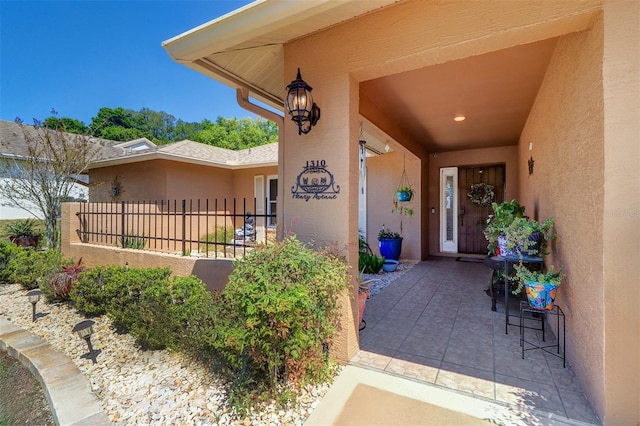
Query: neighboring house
(188, 170)
(13, 151)
(550, 93)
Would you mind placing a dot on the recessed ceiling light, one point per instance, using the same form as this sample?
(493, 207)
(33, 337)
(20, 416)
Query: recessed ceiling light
(459, 118)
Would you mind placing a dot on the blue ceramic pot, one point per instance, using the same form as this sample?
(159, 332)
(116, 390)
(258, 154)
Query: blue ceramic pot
(390, 248)
(403, 196)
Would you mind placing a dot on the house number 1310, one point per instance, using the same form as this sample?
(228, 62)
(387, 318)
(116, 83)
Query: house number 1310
(315, 163)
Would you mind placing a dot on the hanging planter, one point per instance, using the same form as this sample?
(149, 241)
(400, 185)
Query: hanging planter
(404, 194)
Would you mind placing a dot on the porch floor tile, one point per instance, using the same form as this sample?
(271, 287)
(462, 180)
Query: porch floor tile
(434, 325)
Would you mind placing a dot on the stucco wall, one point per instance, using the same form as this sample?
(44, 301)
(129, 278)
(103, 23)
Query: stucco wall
(566, 129)
(621, 220)
(507, 155)
(162, 180)
(213, 272)
(383, 176)
(406, 36)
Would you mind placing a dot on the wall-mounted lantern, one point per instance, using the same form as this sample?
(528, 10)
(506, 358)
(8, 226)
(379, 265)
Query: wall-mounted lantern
(303, 111)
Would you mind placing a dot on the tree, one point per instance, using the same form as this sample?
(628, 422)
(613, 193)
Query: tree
(45, 173)
(70, 125)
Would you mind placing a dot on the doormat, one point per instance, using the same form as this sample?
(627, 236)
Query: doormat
(469, 259)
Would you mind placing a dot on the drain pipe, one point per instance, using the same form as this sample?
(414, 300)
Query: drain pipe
(242, 97)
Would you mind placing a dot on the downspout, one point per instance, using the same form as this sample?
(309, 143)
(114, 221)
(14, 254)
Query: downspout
(242, 97)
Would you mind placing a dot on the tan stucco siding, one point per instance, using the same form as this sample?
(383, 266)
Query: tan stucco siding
(243, 184)
(139, 181)
(503, 155)
(172, 180)
(621, 220)
(403, 37)
(193, 181)
(566, 129)
(383, 176)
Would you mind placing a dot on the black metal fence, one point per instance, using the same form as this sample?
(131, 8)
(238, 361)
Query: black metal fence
(187, 227)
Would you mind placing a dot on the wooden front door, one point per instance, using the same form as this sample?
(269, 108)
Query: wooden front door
(472, 218)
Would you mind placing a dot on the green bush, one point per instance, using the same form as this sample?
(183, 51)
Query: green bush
(369, 263)
(174, 314)
(115, 290)
(8, 252)
(220, 236)
(130, 242)
(279, 307)
(26, 266)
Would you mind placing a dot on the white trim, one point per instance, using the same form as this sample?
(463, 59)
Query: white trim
(258, 193)
(449, 204)
(272, 209)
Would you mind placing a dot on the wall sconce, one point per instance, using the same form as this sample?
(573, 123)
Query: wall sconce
(304, 112)
(34, 297)
(114, 191)
(84, 330)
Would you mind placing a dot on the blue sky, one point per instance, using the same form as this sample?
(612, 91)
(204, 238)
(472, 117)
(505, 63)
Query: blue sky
(79, 56)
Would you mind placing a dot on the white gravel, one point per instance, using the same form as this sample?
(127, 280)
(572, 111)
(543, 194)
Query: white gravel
(383, 279)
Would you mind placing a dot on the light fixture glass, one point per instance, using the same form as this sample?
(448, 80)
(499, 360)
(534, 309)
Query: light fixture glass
(34, 296)
(303, 111)
(459, 118)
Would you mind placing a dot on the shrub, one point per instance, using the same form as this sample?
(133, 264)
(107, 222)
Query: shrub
(8, 252)
(220, 236)
(279, 307)
(115, 290)
(130, 242)
(61, 283)
(369, 263)
(174, 315)
(28, 267)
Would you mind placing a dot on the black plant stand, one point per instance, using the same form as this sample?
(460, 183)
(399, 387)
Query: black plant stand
(506, 265)
(540, 315)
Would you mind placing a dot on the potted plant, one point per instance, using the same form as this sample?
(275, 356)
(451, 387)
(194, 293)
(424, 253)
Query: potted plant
(24, 233)
(540, 287)
(363, 294)
(529, 237)
(503, 214)
(367, 261)
(404, 194)
(389, 243)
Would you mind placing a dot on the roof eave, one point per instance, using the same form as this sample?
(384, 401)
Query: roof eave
(179, 158)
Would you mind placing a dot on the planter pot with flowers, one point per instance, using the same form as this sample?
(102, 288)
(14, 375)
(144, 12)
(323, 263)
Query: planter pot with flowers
(363, 294)
(389, 243)
(540, 287)
(497, 222)
(24, 233)
(404, 194)
(528, 237)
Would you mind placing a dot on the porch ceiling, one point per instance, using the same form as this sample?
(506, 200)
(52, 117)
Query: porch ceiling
(495, 91)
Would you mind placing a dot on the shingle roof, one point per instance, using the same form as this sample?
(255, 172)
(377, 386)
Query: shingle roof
(199, 153)
(112, 152)
(12, 140)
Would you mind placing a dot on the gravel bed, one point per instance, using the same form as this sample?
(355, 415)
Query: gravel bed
(386, 278)
(152, 387)
(143, 387)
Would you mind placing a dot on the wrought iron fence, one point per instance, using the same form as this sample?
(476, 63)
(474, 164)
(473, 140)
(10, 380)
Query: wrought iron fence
(187, 227)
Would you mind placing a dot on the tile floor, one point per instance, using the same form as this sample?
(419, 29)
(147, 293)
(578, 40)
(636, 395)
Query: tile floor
(434, 324)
